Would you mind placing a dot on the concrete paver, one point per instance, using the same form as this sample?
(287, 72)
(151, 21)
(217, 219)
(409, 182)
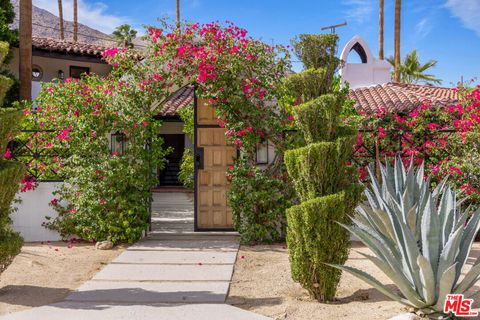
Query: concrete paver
(173, 274)
(152, 272)
(82, 311)
(186, 245)
(151, 292)
(177, 257)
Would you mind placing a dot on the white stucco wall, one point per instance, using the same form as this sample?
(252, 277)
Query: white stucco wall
(51, 66)
(31, 213)
(358, 75)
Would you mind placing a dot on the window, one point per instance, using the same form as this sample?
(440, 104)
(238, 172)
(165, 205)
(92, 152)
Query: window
(262, 152)
(118, 143)
(37, 73)
(76, 72)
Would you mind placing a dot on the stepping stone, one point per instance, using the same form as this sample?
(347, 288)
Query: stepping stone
(97, 311)
(186, 245)
(190, 235)
(156, 272)
(151, 292)
(177, 257)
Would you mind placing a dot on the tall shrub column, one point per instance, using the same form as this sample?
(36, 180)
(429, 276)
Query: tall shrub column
(11, 172)
(326, 187)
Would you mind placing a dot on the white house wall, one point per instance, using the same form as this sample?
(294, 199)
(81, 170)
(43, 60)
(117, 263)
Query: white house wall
(51, 66)
(371, 72)
(31, 213)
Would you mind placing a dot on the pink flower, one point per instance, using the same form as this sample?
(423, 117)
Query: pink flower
(64, 135)
(112, 52)
(414, 114)
(238, 143)
(455, 170)
(181, 50)
(54, 202)
(291, 118)
(381, 133)
(7, 154)
(432, 126)
(28, 183)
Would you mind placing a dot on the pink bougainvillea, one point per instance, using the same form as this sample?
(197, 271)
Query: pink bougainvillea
(445, 138)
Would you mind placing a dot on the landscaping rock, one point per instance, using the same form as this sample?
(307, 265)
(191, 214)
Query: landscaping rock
(104, 245)
(406, 316)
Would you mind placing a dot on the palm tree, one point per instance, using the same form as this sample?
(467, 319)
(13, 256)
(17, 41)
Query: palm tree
(60, 15)
(398, 9)
(412, 71)
(380, 28)
(75, 20)
(178, 14)
(25, 50)
(124, 35)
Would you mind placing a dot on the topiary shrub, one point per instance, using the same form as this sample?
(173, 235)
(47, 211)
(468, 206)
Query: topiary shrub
(11, 173)
(314, 237)
(324, 184)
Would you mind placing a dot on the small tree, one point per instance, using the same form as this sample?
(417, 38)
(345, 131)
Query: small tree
(10, 173)
(413, 71)
(324, 183)
(125, 35)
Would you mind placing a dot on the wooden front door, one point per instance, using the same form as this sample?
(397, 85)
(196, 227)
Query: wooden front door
(213, 156)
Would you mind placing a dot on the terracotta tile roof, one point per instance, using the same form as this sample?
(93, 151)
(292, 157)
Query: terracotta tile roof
(397, 97)
(178, 100)
(65, 46)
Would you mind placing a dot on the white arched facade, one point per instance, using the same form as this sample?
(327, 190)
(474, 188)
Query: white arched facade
(367, 73)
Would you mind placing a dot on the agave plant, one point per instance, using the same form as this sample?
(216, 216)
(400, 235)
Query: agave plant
(421, 238)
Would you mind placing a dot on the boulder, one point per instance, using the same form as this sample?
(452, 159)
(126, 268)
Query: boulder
(104, 245)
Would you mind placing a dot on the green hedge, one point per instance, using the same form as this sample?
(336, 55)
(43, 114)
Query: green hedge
(11, 173)
(314, 237)
(9, 123)
(10, 245)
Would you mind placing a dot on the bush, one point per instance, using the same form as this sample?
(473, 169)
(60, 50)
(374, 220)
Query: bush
(10, 245)
(321, 112)
(445, 139)
(319, 168)
(259, 202)
(11, 173)
(187, 174)
(187, 168)
(321, 178)
(106, 192)
(315, 237)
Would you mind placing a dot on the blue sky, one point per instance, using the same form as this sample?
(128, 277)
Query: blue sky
(444, 30)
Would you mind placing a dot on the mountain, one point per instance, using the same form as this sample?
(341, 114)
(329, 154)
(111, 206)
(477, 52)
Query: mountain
(46, 24)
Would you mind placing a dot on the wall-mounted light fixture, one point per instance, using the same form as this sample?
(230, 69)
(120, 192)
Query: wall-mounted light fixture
(262, 152)
(118, 143)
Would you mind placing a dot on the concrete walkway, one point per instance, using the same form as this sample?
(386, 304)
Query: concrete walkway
(173, 274)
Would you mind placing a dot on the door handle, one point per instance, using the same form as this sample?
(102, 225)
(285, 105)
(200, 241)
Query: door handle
(199, 158)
